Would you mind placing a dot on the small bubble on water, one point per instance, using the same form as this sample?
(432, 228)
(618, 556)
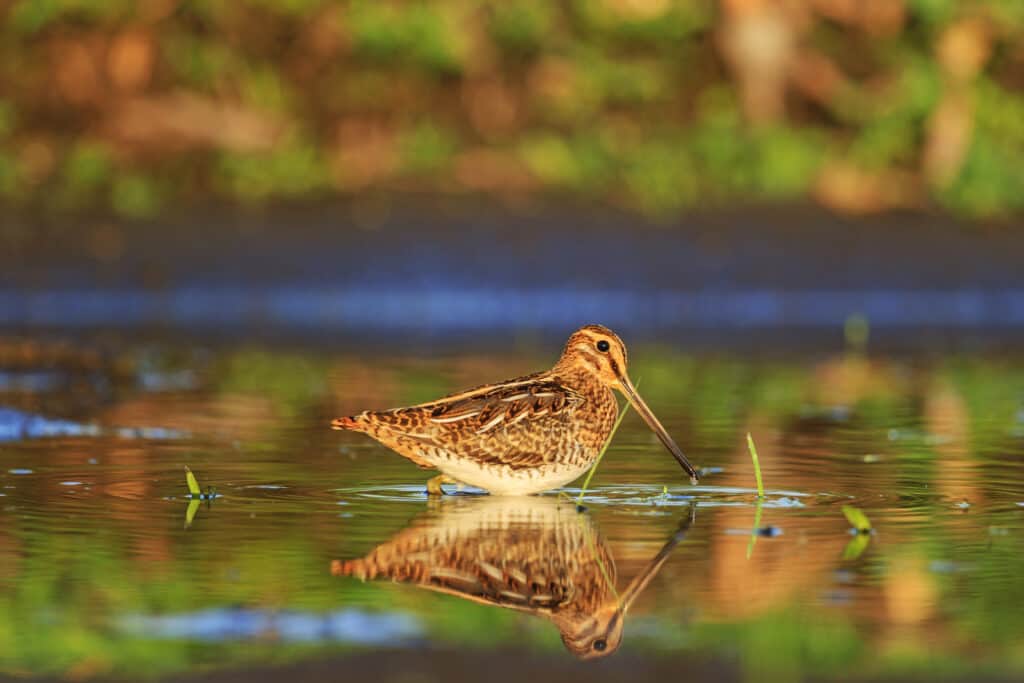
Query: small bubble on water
(20, 470)
(71, 483)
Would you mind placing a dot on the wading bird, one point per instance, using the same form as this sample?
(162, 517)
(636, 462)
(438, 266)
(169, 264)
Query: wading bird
(523, 435)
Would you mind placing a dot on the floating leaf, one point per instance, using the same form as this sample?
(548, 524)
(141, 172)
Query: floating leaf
(857, 519)
(193, 485)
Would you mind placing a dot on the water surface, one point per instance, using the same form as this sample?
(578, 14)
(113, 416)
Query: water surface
(321, 542)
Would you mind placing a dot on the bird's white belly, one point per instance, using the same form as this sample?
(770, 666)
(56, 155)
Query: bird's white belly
(506, 481)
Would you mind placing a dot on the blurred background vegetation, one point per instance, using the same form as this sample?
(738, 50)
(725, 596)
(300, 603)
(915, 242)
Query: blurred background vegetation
(660, 105)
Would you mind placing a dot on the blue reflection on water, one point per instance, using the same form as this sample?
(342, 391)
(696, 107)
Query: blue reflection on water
(16, 425)
(455, 309)
(348, 626)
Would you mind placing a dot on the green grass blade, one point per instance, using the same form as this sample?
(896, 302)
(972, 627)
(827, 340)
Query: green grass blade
(593, 468)
(857, 519)
(193, 485)
(756, 531)
(190, 511)
(757, 465)
(856, 546)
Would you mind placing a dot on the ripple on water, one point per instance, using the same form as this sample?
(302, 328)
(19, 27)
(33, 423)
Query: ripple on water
(704, 496)
(399, 493)
(651, 497)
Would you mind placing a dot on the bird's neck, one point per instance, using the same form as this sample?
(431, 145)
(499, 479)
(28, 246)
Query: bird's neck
(577, 377)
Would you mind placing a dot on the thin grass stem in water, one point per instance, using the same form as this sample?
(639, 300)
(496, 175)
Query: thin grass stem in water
(593, 468)
(755, 532)
(760, 495)
(757, 465)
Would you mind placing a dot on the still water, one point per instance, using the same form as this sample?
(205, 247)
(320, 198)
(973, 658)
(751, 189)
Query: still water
(315, 542)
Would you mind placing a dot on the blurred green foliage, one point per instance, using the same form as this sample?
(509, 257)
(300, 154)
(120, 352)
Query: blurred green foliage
(660, 105)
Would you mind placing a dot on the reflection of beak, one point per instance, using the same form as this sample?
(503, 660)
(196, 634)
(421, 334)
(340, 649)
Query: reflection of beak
(634, 398)
(638, 584)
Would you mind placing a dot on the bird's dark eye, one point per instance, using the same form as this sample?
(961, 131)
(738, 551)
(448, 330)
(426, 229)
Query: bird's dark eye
(603, 346)
(600, 645)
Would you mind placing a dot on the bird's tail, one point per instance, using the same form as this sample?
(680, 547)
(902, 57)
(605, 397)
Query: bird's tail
(356, 568)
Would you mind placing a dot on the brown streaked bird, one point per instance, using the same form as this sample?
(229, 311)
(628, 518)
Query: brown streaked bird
(523, 435)
(535, 555)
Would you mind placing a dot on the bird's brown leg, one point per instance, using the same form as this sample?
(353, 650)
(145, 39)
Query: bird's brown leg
(434, 484)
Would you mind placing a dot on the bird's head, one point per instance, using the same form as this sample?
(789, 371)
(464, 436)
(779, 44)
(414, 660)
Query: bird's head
(596, 350)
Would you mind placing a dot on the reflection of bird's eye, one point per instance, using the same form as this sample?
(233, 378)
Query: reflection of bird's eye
(600, 645)
(603, 346)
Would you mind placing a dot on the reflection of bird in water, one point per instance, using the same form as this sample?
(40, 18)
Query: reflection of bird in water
(523, 435)
(535, 555)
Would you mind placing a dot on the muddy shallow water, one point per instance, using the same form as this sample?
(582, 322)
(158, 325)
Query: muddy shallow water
(318, 544)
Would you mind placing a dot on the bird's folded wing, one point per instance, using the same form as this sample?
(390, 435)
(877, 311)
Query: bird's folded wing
(505, 405)
(490, 424)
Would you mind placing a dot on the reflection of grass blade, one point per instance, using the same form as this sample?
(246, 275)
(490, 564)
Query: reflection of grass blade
(757, 466)
(857, 519)
(856, 546)
(597, 556)
(754, 533)
(593, 468)
(190, 512)
(193, 484)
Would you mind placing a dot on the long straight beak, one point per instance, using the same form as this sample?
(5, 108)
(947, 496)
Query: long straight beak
(634, 398)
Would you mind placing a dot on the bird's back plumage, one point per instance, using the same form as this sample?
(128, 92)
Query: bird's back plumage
(545, 425)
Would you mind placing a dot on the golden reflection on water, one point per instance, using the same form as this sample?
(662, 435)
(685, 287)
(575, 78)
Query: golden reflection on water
(535, 555)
